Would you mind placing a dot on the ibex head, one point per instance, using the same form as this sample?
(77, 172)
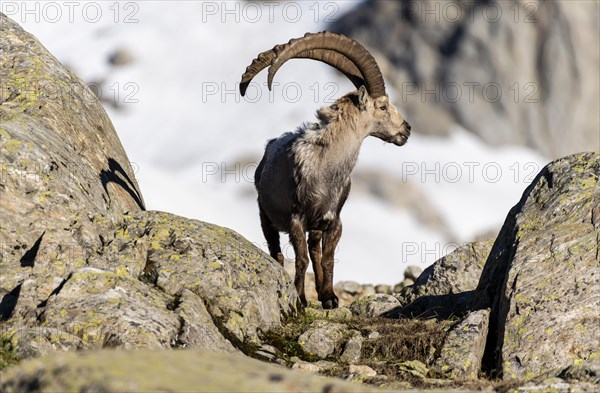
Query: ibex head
(353, 60)
(383, 119)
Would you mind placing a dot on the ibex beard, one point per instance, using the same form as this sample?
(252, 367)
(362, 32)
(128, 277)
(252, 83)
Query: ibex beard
(303, 179)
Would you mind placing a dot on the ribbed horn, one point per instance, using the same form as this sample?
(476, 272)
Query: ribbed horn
(338, 61)
(262, 61)
(332, 58)
(341, 44)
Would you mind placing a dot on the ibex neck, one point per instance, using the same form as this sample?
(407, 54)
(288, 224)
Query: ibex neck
(344, 144)
(334, 151)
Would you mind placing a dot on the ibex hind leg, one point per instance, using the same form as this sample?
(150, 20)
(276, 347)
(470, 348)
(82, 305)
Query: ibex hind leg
(315, 251)
(330, 241)
(271, 235)
(298, 240)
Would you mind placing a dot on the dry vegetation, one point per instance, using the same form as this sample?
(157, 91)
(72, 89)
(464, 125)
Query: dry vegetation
(398, 341)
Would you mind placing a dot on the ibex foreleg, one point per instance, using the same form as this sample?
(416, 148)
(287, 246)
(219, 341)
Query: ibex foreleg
(330, 241)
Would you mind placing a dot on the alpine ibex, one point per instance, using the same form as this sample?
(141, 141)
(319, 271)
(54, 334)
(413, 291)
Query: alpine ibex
(303, 179)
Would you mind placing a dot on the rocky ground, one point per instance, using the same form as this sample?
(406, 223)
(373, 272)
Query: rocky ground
(87, 275)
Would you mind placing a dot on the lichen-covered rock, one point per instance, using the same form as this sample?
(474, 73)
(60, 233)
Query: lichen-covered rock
(323, 338)
(367, 290)
(82, 266)
(26, 342)
(358, 371)
(105, 309)
(60, 159)
(542, 278)
(463, 349)
(383, 288)
(445, 288)
(150, 280)
(412, 272)
(557, 385)
(197, 329)
(241, 286)
(374, 305)
(348, 291)
(306, 367)
(351, 287)
(59, 154)
(162, 371)
(353, 348)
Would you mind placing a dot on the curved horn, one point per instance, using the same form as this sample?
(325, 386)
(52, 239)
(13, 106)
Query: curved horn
(341, 44)
(334, 59)
(262, 61)
(338, 61)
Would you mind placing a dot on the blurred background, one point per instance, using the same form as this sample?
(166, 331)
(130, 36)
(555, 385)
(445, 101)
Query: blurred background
(493, 90)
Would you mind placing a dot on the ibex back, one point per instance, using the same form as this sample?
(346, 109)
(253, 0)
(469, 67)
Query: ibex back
(303, 179)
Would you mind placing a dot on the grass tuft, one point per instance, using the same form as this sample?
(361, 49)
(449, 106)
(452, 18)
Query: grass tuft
(7, 354)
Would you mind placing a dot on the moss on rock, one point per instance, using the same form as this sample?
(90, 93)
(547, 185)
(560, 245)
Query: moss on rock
(541, 278)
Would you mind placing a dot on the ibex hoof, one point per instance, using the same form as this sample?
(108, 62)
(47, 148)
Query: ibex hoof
(331, 303)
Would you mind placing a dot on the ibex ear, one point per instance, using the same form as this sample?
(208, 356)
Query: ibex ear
(362, 98)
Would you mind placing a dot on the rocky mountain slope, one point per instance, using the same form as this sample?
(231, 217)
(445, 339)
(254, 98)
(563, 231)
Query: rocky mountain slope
(512, 71)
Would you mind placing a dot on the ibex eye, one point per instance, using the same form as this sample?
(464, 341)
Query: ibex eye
(383, 108)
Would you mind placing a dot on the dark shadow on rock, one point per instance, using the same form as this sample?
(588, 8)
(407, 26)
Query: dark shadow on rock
(9, 302)
(490, 292)
(55, 291)
(435, 306)
(582, 372)
(116, 174)
(28, 259)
